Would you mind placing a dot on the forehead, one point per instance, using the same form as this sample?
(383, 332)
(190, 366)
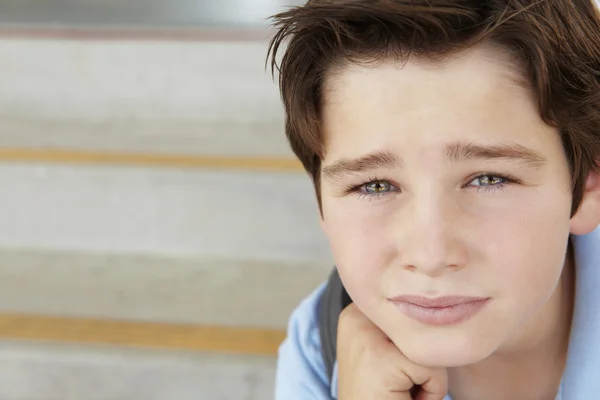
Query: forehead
(495, 64)
(475, 95)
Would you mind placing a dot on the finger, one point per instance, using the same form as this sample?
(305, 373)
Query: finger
(435, 387)
(427, 383)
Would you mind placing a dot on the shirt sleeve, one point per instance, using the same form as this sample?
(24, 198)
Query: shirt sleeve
(301, 371)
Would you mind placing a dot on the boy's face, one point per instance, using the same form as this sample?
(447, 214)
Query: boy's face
(442, 180)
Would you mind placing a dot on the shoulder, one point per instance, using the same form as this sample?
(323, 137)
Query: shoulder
(583, 362)
(301, 372)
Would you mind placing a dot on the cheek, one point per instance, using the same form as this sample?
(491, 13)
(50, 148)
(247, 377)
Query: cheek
(361, 248)
(525, 249)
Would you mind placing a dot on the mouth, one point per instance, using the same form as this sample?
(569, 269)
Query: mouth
(439, 311)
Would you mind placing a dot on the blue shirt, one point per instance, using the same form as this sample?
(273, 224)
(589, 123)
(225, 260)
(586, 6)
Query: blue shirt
(301, 373)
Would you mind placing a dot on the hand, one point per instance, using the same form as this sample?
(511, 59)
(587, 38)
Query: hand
(370, 366)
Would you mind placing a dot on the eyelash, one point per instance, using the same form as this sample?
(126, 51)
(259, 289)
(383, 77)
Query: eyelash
(357, 189)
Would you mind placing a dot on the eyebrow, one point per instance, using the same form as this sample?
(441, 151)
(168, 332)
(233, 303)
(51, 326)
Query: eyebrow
(454, 153)
(345, 166)
(457, 152)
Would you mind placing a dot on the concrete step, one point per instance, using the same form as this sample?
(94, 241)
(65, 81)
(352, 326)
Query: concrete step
(101, 79)
(164, 212)
(199, 97)
(168, 136)
(172, 290)
(67, 372)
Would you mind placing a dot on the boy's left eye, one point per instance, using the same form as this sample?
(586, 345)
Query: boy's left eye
(488, 180)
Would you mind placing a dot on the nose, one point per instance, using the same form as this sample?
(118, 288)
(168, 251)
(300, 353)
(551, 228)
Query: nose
(429, 237)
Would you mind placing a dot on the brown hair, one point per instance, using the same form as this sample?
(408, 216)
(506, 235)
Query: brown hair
(556, 43)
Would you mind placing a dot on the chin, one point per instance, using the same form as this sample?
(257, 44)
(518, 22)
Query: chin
(444, 353)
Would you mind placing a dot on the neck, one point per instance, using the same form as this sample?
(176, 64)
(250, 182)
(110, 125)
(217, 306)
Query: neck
(532, 366)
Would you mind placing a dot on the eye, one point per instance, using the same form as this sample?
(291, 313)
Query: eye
(377, 187)
(492, 182)
(489, 180)
(373, 189)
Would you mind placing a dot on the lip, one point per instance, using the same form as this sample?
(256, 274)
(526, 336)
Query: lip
(447, 310)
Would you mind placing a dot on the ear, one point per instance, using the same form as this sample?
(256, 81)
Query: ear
(587, 218)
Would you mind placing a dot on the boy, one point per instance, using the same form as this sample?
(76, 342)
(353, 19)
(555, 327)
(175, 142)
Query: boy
(455, 150)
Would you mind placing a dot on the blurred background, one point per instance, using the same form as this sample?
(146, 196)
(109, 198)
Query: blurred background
(156, 231)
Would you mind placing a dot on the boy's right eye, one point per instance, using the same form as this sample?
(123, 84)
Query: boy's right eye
(377, 187)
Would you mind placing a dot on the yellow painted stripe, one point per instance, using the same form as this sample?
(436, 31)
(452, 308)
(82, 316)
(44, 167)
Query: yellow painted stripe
(150, 335)
(152, 160)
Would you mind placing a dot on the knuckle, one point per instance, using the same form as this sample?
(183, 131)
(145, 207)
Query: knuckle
(347, 319)
(349, 312)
